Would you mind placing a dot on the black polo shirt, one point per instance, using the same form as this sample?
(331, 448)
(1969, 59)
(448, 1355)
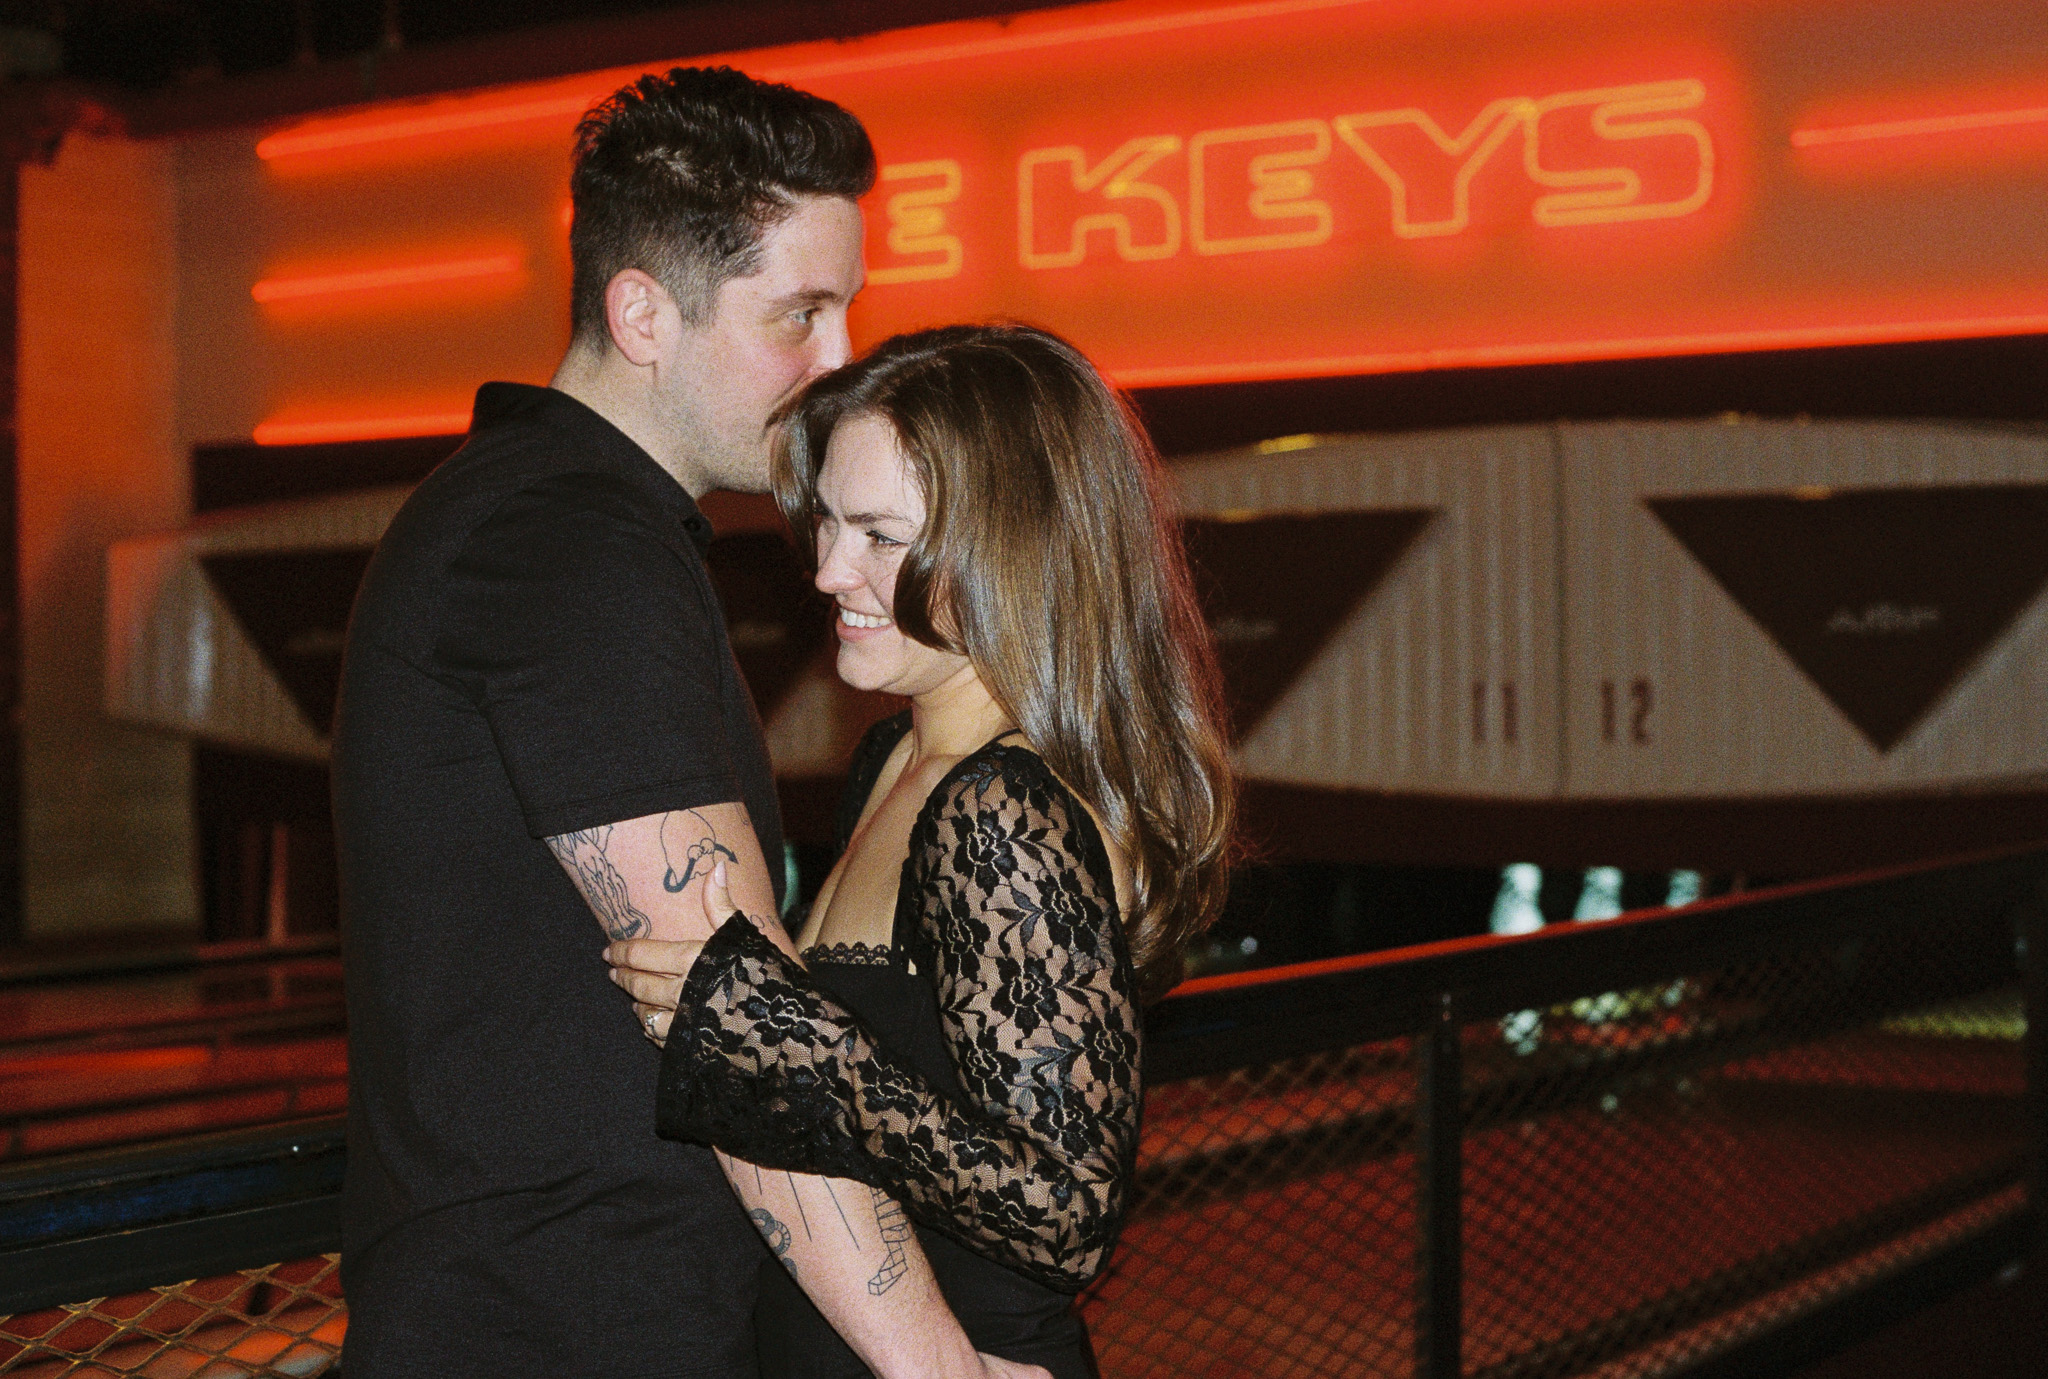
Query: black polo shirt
(537, 648)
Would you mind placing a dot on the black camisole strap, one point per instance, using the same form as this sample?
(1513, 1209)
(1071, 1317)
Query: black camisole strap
(862, 772)
(869, 757)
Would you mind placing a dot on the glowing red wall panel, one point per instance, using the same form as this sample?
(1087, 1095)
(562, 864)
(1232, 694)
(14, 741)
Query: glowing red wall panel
(1311, 187)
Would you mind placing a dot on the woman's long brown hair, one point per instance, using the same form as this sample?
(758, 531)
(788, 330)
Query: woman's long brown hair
(1051, 558)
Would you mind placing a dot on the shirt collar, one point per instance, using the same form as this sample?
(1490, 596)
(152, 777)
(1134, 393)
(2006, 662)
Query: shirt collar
(498, 404)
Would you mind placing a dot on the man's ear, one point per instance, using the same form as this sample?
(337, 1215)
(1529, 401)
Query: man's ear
(639, 315)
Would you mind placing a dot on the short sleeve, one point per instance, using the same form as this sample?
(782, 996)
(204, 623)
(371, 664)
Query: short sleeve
(592, 649)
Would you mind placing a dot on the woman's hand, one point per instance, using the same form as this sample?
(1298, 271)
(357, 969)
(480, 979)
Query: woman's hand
(652, 971)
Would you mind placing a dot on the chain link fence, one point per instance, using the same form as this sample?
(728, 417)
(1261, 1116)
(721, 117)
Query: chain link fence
(281, 1322)
(1272, 1229)
(1628, 1179)
(1617, 1150)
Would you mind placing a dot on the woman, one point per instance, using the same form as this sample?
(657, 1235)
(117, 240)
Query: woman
(1022, 854)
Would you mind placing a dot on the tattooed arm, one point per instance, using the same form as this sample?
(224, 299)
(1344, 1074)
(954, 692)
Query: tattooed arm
(848, 1247)
(645, 877)
(586, 856)
(852, 1250)
(862, 1222)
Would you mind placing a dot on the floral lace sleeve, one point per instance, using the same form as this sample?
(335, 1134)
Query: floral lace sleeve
(1017, 932)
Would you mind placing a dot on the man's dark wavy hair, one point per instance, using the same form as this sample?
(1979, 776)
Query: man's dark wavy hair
(681, 175)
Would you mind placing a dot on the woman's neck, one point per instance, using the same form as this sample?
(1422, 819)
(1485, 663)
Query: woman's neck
(955, 718)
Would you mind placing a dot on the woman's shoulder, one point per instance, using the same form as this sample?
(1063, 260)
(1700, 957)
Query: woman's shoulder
(1002, 820)
(1002, 770)
(1005, 784)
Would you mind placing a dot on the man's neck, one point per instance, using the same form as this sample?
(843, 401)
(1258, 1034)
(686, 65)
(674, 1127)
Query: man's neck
(606, 387)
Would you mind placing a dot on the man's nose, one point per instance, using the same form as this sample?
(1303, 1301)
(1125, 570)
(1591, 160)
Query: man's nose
(835, 347)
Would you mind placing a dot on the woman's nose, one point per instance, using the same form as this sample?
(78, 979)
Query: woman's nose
(835, 572)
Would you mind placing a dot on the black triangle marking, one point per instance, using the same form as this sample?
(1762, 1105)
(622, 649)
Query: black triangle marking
(1884, 598)
(294, 606)
(775, 620)
(1276, 587)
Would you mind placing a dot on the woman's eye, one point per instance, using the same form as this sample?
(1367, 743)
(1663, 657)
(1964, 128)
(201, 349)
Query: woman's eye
(879, 539)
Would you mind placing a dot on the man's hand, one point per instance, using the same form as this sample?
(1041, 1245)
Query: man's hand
(996, 1367)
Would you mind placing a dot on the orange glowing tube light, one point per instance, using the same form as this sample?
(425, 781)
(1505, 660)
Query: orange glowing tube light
(443, 117)
(1023, 36)
(404, 275)
(1579, 349)
(1932, 124)
(804, 62)
(1210, 191)
(366, 427)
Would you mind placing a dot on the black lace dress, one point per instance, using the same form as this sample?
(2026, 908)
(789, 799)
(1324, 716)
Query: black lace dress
(982, 1070)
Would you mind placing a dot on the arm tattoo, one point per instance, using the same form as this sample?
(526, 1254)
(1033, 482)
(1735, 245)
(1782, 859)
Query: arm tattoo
(583, 853)
(895, 1230)
(826, 1183)
(699, 844)
(797, 1197)
(777, 1235)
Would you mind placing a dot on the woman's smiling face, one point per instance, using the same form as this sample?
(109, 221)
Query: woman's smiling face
(871, 511)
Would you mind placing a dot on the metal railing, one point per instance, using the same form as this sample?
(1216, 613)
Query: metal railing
(1654, 1145)
(125, 1048)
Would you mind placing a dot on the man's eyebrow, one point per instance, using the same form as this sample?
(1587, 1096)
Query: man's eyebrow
(805, 296)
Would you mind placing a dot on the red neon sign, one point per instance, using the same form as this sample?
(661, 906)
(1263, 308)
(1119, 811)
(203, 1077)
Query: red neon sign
(1919, 125)
(1314, 211)
(376, 424)
(301, 287)
(436, 120)
(1257, 202)
(1301, 187)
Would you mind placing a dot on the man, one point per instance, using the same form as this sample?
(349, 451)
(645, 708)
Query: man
(541, 719)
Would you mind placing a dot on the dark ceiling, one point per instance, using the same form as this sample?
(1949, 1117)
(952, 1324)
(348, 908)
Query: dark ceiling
(151, 44)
